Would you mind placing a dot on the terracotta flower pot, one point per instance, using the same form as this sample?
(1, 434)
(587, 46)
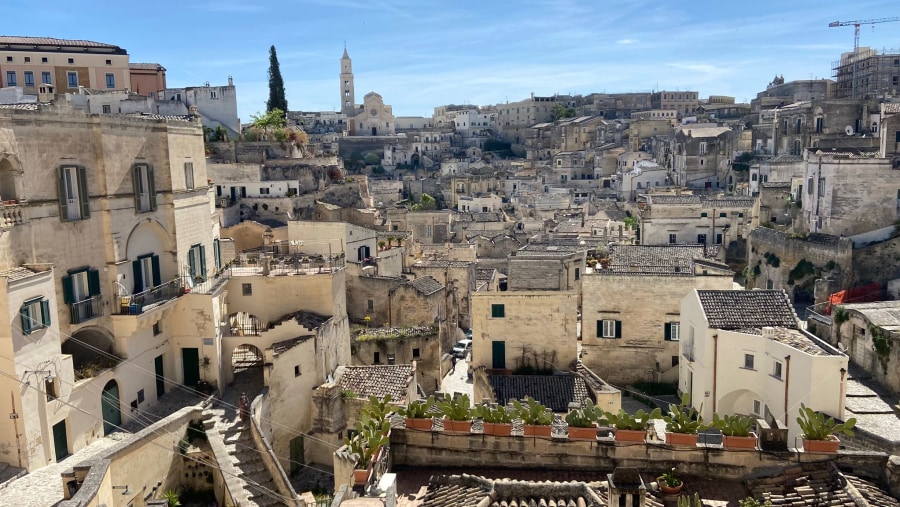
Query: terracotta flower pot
(457, 426)
(669, 490)
(582, 433)
(532, 430)
(830, 446)
(740, 442)
(418, 424)
(688, 439)
(361, 476)
(631, 435)
(498, 429)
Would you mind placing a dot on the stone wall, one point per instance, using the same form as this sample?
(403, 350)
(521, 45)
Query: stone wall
(877, 262)
(426, 351)
(269, 458)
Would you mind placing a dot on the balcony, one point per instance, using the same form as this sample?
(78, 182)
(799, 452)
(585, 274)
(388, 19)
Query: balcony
(11, 214)
(86, 310)
(688, 353)
(148, 299)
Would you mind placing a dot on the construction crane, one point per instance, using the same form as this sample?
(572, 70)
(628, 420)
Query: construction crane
(856, 27)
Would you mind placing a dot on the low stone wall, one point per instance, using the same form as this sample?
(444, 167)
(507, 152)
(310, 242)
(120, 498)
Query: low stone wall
(270, 460)
(435, 449)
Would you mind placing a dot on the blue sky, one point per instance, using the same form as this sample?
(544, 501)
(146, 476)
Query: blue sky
(423, 53)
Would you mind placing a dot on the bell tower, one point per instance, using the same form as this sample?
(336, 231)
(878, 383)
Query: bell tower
(347, 95)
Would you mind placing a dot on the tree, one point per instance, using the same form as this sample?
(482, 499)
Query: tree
(277, 99)
(271, 121)
(560, 111)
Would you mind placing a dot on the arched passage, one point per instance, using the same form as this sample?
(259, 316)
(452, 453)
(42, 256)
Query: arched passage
(739, 401)
(246, 357)
(9, 180)
(110, 406)
(245, 324)
(91, 349)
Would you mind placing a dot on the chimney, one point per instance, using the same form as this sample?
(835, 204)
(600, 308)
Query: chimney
(626, 486)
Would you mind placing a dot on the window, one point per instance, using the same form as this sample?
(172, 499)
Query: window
(81, 285)
(819, 125)
(770, 285)
(723, 215)
(701, 239)
(672, 239)
(718, 238)
(71, 60)
(73, 194)
(44, 59)
(675, 361)
(263, 191)
(702, 149)
(29, 78)
(35, 314)
(370, 305)
(672, 331)
(50, 387)
(197, 262)
(110, 80)
(748, 362)
(189, 175)
(757, 407)
(609, 328)
(498, 311)
(72, 79)
(776, 370)
(144, 187)
(157, 329)
(146, 272)
(10, 78)
(212, 95)
(821, 187)
(247, 289)
(107, 109)
(704, 214)
(217, 253)
(45, 78)
(376, 357)
(297, 370)
(577, 273)
(416, 353)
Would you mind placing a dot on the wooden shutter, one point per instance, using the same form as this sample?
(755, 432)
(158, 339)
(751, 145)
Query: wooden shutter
(203, 261)
(668, 332)
(599, 329)
(68, 290)
(25, 314)
(136, 182)
(45, 312)
(217, 253)
(138, 278)
(151, 187)
(83, 196)
(61, 189)
(154, 263)
(192, 263)
(93, 282)
(618, 329)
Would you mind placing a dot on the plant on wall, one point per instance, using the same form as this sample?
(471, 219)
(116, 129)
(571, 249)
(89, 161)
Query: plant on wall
(882, 344)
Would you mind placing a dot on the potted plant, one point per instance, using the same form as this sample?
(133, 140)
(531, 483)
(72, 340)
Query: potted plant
(669, 483)
(632, 428)
(457, 413)
(370, 437)
(416, 414)
(818, 432)
(536, 417)
(683, 422)
(736, 432)
(497, 420)
(583, 422)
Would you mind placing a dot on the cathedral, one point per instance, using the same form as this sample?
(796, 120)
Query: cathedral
(371, 118)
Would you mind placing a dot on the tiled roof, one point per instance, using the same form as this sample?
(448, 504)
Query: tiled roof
(378, 381)
(659, 255)
(729, 202)
(285, 345)
(673, 199)
(145, 66)
(795, 339)
(468, 491)
(438, 263)
(776, 184)
(818, 483)
(16, 273)
(747, 309)
(176, 117)
(426, 285)
(49, 41)
(892, 107)
(553, 391)
(485, 274)
(31, 106)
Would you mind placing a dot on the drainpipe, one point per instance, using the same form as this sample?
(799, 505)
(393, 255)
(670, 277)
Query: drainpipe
(787, 383)
(715, 367)
(841, 391)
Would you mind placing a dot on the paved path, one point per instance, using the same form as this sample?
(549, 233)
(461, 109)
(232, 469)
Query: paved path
(457, 381)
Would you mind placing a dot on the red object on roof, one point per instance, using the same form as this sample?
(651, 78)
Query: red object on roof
(862, 294)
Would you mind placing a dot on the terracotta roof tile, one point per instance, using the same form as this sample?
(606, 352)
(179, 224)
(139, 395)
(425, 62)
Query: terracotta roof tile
(553, 391)
(378, 381)
(747, 309)
(426, 285)
(50, 41)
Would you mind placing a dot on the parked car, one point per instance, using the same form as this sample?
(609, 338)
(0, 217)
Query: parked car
(462, 348)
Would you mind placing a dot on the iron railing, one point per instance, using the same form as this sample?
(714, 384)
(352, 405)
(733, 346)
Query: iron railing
(86, 310)
(138, 303)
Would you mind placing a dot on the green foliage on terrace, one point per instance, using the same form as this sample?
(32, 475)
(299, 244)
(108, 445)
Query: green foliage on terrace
(392, 333)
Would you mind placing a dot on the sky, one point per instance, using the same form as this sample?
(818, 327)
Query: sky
(419, 54)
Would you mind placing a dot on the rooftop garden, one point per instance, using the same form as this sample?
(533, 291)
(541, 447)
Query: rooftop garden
(393, 333)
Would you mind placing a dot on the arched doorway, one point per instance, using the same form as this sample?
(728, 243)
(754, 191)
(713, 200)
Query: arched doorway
(414, 160)
(246, 357)
(110, 407)
(92, 351)
(9, 176)
(245, 324)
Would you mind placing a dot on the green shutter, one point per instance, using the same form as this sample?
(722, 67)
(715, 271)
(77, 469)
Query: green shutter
(68, 290)
(61, 189)
(668, 332)
(83, 196)
(136, 182)
(154, 263)
(45, 312)
(25, 314)
(151, 187)
(192, 263)
(93, 282)
(618, 329)
(203, 261)
(599, 329)
(138, 278)
(217, 253)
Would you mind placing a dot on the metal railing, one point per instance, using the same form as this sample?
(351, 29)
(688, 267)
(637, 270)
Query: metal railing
(86, 310)
(215, 281)
(138, 303)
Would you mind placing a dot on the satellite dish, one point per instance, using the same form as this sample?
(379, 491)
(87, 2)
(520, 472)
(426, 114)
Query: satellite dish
(848, 130)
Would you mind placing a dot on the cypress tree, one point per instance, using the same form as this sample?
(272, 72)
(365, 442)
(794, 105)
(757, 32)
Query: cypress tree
(277, 99)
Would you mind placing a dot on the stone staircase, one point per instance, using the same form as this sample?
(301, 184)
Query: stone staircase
(232, 443)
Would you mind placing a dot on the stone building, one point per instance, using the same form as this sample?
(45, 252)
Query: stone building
(628, 339)
(459, 279)
(743, 352)
(217, 105)
(684, 103)
(147, 79)
(702, 155)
